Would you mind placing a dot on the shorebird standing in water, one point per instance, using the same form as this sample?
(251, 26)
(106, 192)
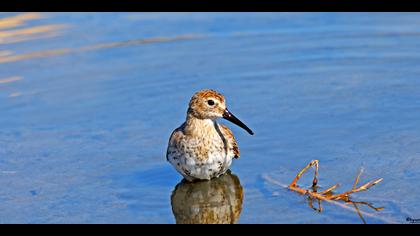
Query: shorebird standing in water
(201, 148)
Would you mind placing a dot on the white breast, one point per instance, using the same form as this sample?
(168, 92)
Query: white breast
(184, 157)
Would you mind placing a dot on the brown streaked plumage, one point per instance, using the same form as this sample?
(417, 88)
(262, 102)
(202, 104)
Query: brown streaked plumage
(201, 148)
(229, 136)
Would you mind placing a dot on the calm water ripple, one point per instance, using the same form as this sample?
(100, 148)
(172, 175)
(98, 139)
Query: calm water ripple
(88, 101)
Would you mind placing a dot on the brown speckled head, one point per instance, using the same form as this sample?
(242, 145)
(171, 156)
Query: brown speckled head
(207, 104)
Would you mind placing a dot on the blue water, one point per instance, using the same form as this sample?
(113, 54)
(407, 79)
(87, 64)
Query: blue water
(88, 101)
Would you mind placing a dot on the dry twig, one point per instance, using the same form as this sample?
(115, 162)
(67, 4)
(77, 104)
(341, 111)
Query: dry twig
(327, 195)
(323, 197)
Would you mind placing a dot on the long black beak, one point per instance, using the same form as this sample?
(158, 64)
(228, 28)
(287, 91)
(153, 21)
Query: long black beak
(230, 117)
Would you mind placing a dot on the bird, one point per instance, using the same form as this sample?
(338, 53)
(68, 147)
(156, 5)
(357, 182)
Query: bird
(201, 148)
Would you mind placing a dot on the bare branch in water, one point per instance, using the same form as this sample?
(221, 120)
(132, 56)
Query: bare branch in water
(328, 195)
(323, 196)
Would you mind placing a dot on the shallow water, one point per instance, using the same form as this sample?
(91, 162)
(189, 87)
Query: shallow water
(88, 102)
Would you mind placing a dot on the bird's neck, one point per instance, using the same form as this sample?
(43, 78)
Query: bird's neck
(200, 127)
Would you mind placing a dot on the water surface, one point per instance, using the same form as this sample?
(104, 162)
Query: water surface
(88, 101)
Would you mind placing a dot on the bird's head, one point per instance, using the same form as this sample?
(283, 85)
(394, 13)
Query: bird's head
(209, 104)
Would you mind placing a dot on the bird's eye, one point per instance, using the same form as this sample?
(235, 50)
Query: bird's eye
(210, 102)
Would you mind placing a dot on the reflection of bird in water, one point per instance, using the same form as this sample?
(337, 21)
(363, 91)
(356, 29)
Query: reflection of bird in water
(208, 202)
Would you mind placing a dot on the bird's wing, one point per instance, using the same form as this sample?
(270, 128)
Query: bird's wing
(231, 139)
(176, 135)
